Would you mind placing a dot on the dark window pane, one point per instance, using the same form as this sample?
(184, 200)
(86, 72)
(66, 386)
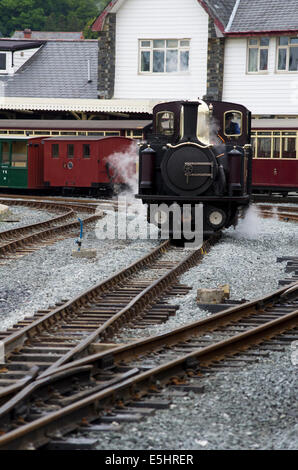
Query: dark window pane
(86, 150)
(158, 61)
(293, 64)
(289, 147)
(55, 150)
(284, 41)
(282, 59)
(263, 59)
(184, 61)
(264, 41)
(293, 40)
(172, 61)
(2, 61)
(145, 61)
(70, 150)
(264, 148)
(5, 153)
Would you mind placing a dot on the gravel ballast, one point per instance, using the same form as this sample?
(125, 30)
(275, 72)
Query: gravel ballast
(254, 408)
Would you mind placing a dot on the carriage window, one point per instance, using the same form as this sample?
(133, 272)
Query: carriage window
(19, 154)
(233, 123)
(165, 123)
(70, 150)
(288, 147)
(86, 150)
(55, 150)
(5, 153)
(264, 147)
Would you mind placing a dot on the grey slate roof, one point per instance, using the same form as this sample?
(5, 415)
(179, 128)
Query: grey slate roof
(221, 9)
(265, 15)
(59, 69)
(49, 35)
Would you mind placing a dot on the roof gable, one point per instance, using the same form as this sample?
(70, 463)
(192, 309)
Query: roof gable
(236, 16)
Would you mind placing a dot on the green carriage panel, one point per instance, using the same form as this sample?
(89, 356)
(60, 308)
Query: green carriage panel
(13, 163)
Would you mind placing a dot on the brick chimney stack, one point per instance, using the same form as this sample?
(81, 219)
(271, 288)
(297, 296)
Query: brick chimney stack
(27, 33)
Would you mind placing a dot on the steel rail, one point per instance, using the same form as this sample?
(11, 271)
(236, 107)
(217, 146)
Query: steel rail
(17, 339)
(38, 432)
(135, 307)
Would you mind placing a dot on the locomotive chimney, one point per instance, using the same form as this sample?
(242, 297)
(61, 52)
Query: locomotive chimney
(190, 121)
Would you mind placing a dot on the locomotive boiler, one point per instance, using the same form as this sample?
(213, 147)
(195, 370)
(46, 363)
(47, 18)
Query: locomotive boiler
(196, 152)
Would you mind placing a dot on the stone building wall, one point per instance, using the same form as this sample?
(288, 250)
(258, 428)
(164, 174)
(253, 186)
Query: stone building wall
(107, 57)
(215, 66)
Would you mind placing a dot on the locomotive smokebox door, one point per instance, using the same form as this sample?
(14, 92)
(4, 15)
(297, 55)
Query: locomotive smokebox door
(188, 169)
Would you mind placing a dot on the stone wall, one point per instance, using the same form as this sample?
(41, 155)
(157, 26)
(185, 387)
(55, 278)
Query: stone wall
(215, 66)
(106, 58)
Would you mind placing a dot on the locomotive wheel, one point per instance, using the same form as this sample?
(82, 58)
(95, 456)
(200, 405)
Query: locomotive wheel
(215, 218)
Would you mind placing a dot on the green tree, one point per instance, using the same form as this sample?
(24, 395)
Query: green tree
(46, 15)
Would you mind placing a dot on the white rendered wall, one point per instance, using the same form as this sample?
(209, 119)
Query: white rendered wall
(160, 19)
(265, 93)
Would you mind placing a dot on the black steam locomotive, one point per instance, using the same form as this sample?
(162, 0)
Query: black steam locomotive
(197, 152)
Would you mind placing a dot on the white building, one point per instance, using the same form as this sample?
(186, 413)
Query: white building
(243, 51)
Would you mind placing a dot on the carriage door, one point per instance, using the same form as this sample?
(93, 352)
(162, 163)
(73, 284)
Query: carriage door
(5, 162)
(70, 164)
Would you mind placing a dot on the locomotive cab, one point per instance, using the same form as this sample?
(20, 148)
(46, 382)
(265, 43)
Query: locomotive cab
(198, 153)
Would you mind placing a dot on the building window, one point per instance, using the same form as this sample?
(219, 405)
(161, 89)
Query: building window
(55, 150)
(287, 54)
(258, 55)
(2, 61)
(164, 55)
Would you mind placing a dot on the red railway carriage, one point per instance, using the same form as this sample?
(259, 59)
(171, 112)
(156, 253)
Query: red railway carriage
(83, 162)
(275, 151)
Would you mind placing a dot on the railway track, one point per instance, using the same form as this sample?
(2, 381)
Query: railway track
(49, 339)
(283, 213)
(23, 240)
(92, 391)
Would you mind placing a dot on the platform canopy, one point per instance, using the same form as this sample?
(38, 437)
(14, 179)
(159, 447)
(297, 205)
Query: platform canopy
(77, 105)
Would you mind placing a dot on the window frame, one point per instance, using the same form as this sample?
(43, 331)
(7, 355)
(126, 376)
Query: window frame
(287, 48)
(241, 123)
(2, 71)
(282, 135)
(259, 47)
(179, 48)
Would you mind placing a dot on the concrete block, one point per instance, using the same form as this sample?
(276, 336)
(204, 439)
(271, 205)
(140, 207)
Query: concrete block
(210, 296)
(84, 253)
(3, 209)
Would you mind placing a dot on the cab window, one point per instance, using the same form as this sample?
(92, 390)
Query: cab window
(233, 123)
(165, 123)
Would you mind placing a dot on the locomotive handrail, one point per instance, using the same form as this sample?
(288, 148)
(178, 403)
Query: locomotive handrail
(189, 143)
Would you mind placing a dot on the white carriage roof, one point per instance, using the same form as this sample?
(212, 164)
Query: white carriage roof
(77, 105)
